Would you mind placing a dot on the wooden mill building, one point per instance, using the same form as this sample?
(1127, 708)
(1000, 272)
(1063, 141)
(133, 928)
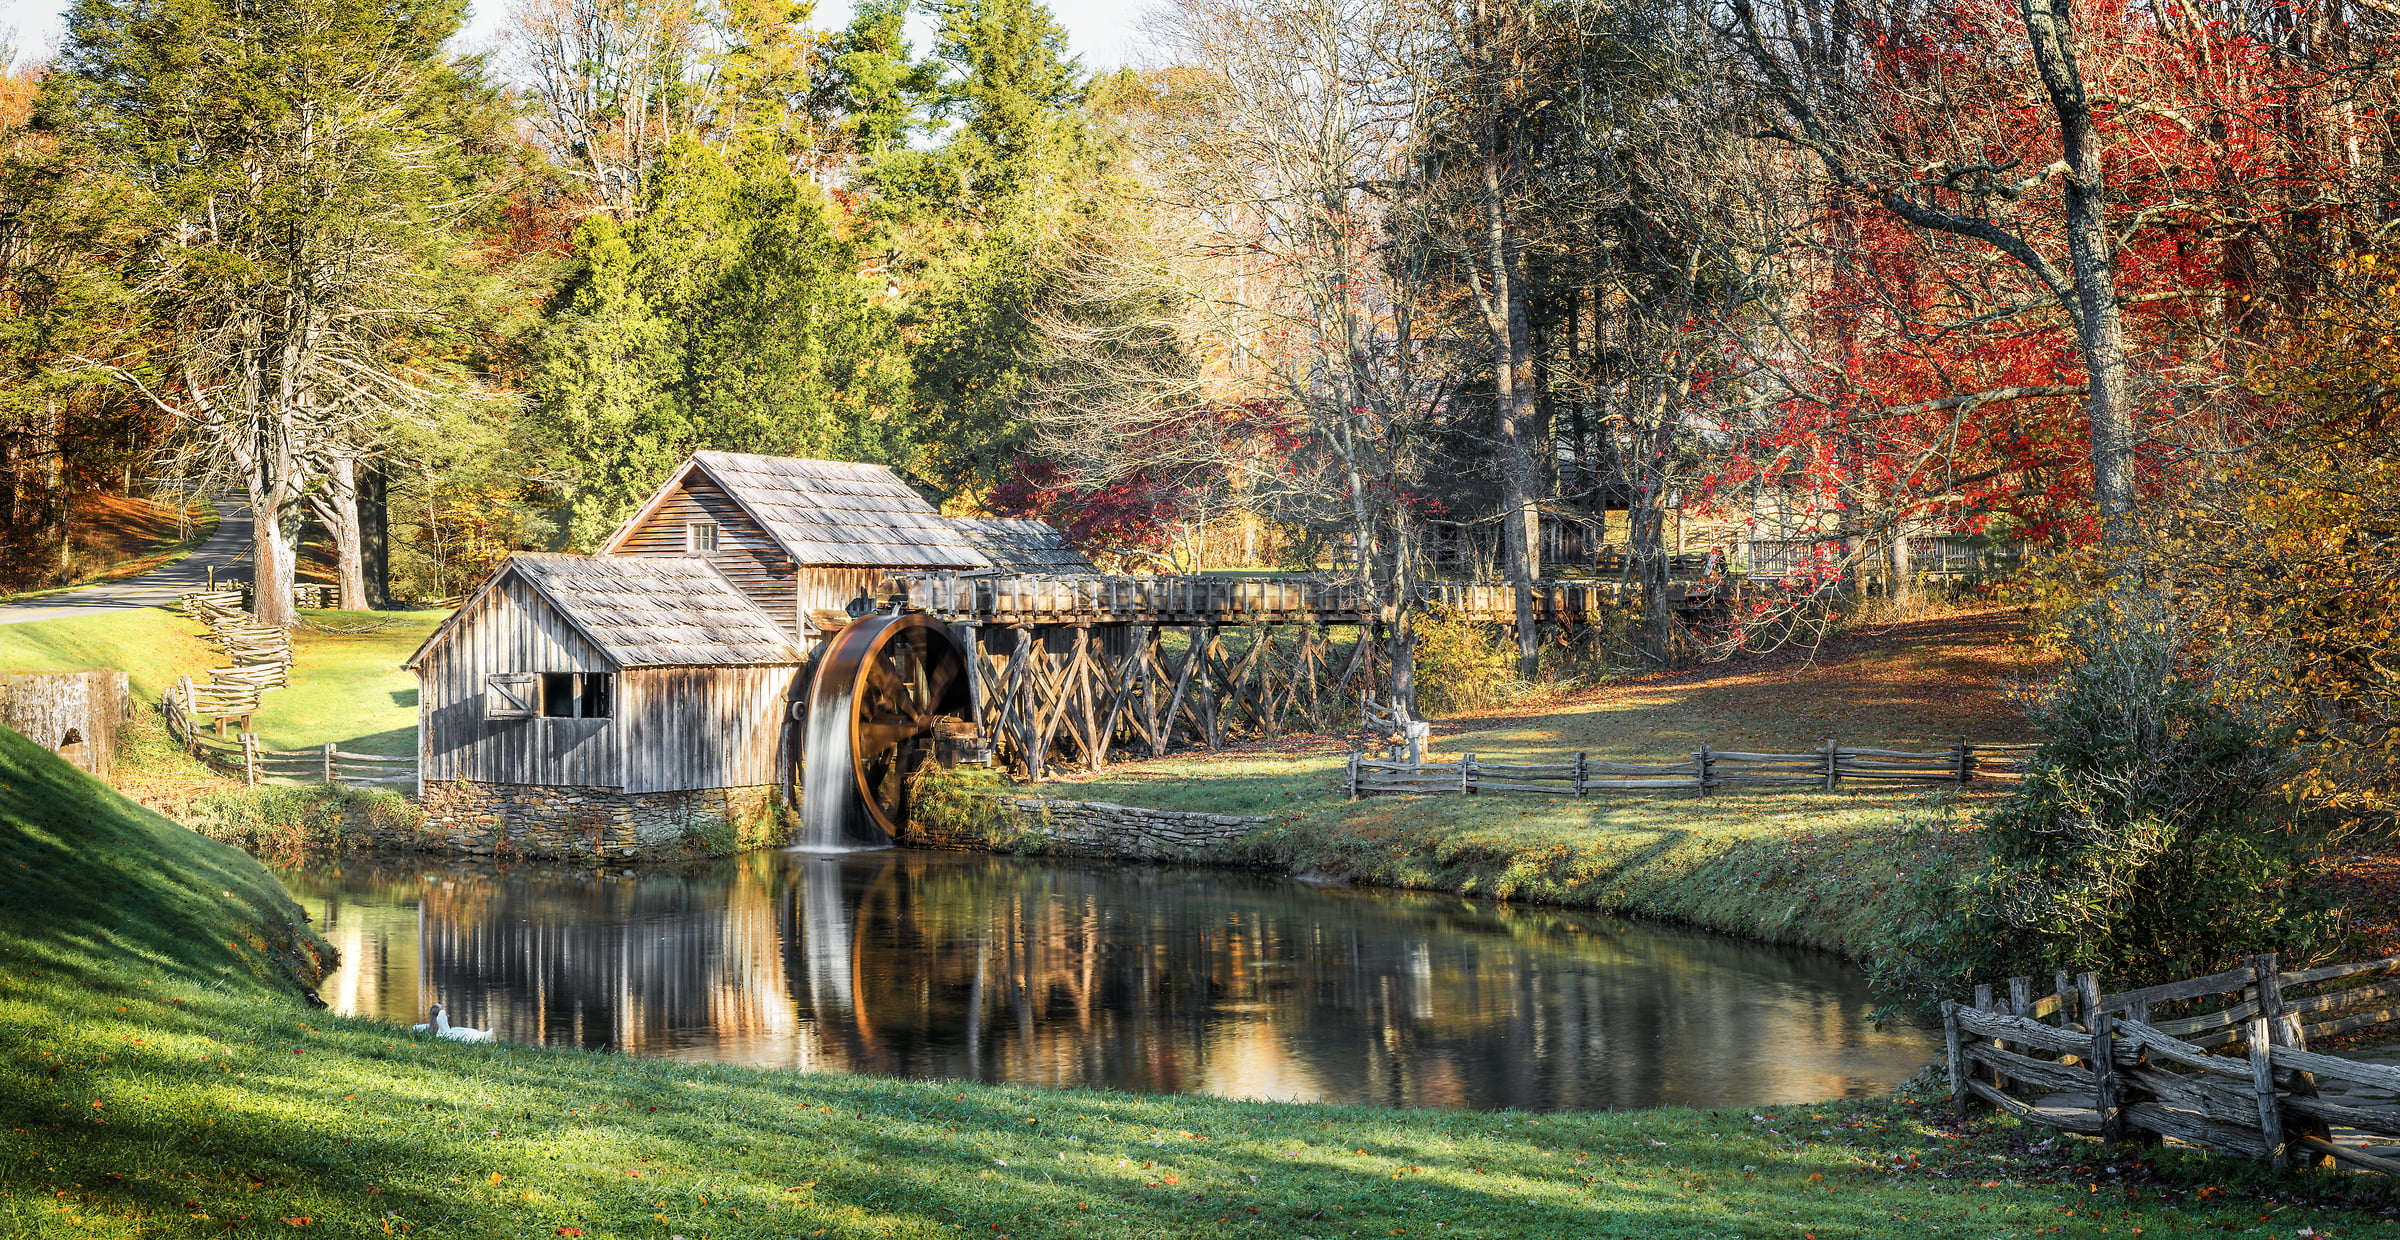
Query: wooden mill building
(588, 704)
(799, 536)
(608, 704)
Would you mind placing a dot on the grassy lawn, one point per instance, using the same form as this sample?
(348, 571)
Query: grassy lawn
(348, 688)
(158, 1077)
(153, 645)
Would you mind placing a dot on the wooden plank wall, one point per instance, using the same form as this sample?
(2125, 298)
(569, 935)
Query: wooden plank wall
(833, 588)
(717, 727)
(745, 553)
(512, 629)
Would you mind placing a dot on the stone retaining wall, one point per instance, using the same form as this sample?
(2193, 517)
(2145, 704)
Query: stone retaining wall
(1103, 829)
(539, 820)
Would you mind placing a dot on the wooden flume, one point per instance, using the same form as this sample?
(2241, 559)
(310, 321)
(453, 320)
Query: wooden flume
(1082, 668)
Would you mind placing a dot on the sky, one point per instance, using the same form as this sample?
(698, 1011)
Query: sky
(1099, 31)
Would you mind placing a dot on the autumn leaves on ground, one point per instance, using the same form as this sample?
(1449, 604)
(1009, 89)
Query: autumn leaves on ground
(159, 1075)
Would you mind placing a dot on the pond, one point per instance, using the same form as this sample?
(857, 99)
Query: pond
(967, 966)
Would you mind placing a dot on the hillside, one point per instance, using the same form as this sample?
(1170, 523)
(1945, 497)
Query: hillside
(110, 537)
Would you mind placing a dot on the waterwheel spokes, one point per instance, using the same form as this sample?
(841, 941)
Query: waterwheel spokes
(903, 676)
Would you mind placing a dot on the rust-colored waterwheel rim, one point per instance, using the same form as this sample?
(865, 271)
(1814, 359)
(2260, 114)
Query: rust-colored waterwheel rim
(898, 679)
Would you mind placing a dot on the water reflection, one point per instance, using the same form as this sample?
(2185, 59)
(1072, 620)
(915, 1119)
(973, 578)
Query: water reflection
(992, 968)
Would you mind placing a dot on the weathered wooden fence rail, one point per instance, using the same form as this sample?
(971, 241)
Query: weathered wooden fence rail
(244, 759)
(261, 655)
(1704, 770)
(2110, 1066)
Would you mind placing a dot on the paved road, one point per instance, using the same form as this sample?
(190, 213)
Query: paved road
(227, 551)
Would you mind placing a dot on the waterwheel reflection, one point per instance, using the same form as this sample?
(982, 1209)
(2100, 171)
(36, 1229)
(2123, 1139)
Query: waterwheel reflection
(1155, 979)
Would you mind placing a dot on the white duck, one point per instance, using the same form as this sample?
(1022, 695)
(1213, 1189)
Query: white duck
(441, 1027)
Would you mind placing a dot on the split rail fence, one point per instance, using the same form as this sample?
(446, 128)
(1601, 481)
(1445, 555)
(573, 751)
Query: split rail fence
(261, 656)
(243, 758)
(1705, 770)
(262, 660)
(2220, 1062)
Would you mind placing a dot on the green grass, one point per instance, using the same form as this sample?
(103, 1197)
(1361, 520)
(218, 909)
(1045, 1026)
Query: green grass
(153, 645)
(346, 688)
(349, 688)
(158, 1077)
(1838, 871)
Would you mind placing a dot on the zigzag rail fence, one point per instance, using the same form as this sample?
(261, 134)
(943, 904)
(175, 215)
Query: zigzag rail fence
(262, 660)
(2140, 1065)
(1705, 770)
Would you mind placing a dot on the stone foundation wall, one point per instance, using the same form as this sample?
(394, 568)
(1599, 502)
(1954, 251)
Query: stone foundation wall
(1102, 829)
(541, 820)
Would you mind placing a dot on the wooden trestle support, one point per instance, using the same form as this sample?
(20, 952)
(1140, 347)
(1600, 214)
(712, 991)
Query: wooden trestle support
(1077, 669)
(1128, 686)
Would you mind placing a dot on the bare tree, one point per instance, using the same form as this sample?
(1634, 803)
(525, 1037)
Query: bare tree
(1285, 133)
(616, 80)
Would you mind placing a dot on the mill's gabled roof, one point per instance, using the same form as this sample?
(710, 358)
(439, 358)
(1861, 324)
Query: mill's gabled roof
(643, 612)
(832, 513)
(1023, 545)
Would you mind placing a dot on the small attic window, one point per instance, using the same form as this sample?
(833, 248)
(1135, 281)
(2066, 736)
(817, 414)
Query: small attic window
(699, 538)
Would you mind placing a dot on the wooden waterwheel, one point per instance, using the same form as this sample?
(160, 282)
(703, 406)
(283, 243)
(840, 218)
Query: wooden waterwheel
(888, 690)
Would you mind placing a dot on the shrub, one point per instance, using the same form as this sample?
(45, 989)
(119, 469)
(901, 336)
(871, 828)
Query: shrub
(282, 820)
(2143, 843)
(962, 803)
(1461, 665)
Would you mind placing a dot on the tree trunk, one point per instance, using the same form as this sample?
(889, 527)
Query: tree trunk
(1402, 648)
(273, 558)
(1512, 392)
(1900, 583)
(337, 508)
(2100, 322)
(375, 532)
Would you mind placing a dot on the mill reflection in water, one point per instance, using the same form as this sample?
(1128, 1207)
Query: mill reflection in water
(999, 969)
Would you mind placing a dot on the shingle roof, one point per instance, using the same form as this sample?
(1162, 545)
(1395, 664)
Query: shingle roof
(840, 512)
(647, 612)
(1023, 545)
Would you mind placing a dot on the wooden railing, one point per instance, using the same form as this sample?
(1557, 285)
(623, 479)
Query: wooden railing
(1702, 771)
(261, 655)
(2105, 1065)
(1011, 598)
(244, 759)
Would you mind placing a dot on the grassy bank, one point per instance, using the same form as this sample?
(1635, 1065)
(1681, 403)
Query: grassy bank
(158, 1076)
(1828, 870)
(347, 688)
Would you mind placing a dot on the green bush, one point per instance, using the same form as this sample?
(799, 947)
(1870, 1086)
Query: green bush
(961, 805)
(2144, 843)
